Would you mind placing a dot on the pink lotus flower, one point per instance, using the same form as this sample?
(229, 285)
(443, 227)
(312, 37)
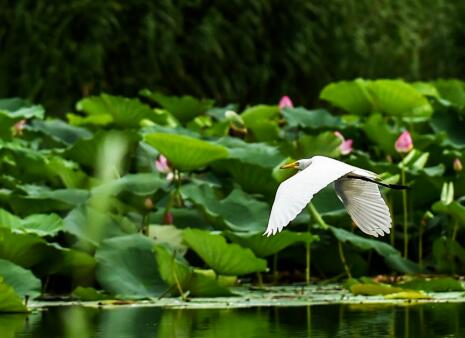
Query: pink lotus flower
(457, 165)
(285, 102)
(404, 143)
(163, 166)
(346, 146)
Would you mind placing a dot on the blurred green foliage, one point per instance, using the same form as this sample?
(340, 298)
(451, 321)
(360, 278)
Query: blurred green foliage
(55, 52)
(126, 199)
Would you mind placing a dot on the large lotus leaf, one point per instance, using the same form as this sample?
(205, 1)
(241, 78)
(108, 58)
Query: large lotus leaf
(238, 211)
(312, 119)
(26, 250)
(43, 225)
(8, 220)
(351, 96)
(85, 151)
(186, 153)
(184, 108)
(124, 112)
(252, 178)
(32, 166)
(324, 144)
(61, 131)
(380, 133)
(126, 267)
(260, 154)
(452, 91)
(95, 120)
(398, 98)
(176, 271)
(93, 226)
(9, 299)
(142, 184)
(17, 108)
(224, 258)
(40, 199)
(21, 280)
(389, 253)
(445, 122)
(449, 256)
(454, 209)
(266, 246)
(262, 121)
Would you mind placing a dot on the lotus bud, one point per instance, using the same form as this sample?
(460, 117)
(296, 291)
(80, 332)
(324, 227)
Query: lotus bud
(404, 143)
(168, 218)
(162, 165)
(346, 146)
(458, 167)
(148, 203)
(285, 102)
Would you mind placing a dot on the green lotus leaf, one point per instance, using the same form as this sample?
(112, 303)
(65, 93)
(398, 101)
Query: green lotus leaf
(380, 133)
(124, 112)
(127, 268)
(61, 131)
(224, 258)
(10, 301)
(21, 280)
(42, 224)
(186, 153)
(352, 96)
(389, 253)
(260, 154)
(449, 256)
(263, 246)
(312, 119)
(263, 121)
(176, 272)
(323, 144)
(398, 98)
(184, 108)
(142, 184)
(17, 108)
(239, 211)
(452, 91)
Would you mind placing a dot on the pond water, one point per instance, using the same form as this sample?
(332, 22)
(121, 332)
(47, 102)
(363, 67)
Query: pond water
(366, 321)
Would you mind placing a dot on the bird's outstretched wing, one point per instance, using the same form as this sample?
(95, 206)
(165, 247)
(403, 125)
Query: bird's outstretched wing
(365, 205)
(297, 191)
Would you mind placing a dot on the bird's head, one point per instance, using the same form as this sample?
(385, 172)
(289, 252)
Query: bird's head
(300, 164)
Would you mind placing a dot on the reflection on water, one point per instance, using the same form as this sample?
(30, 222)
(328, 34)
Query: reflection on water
(366, 321)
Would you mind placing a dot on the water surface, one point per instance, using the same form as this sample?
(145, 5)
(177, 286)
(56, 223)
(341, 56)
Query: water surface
(366, 321)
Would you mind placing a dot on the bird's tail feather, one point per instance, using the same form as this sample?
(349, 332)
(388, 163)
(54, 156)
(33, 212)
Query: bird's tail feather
(391, 186)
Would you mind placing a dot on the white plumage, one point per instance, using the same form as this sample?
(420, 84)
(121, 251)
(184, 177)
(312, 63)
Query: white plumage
(362, 199)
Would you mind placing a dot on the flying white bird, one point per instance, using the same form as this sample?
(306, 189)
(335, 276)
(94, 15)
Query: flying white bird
(356, 188)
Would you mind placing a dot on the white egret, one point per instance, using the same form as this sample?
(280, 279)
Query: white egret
(357, 189)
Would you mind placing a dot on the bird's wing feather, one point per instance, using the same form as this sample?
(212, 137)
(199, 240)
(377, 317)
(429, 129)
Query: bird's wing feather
(297, 191)
(365, 205)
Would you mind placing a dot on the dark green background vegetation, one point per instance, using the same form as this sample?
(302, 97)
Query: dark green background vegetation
(55, 52)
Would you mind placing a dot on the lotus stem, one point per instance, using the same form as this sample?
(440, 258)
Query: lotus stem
(275, 268)
(176, 280)
(343, 260)
(420, 245)
(405, 210)
(316, 216)
(308, 263)
(455, 230)
(260, 279)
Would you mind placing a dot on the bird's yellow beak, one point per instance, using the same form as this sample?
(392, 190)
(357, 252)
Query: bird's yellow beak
(293, 165)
